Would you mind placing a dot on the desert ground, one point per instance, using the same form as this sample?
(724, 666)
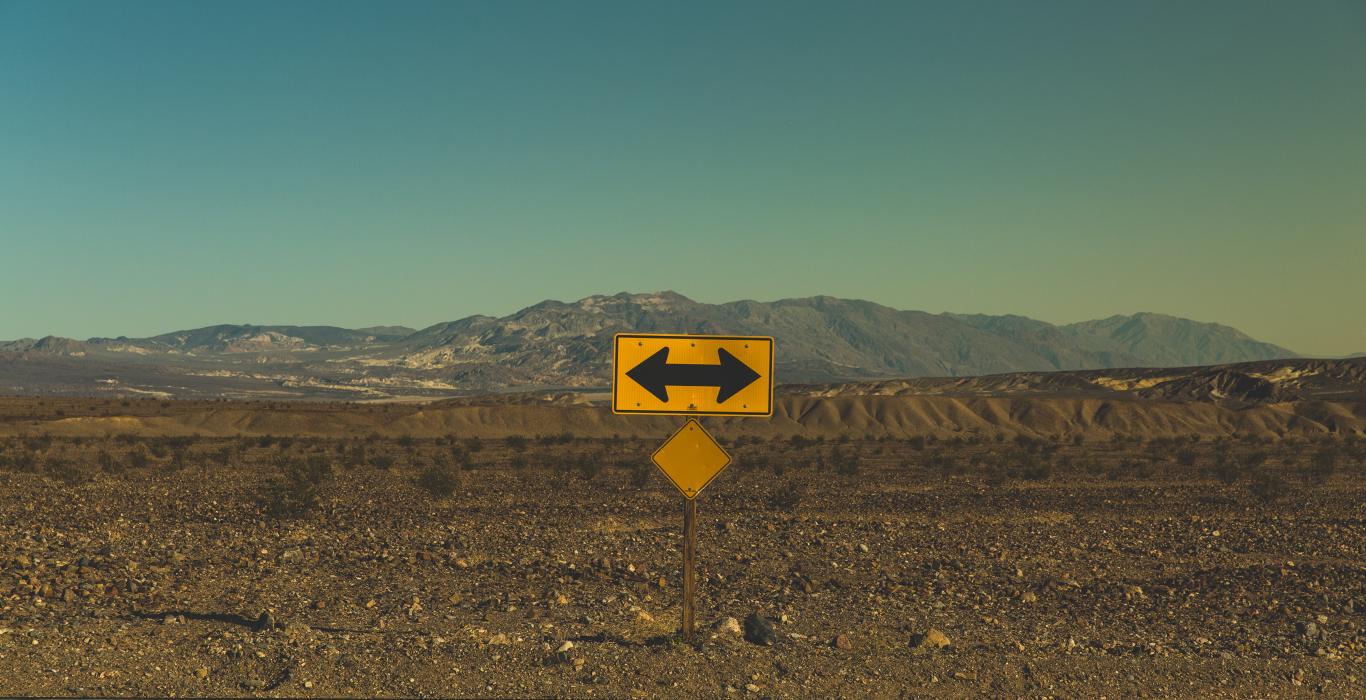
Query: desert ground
(323, 559)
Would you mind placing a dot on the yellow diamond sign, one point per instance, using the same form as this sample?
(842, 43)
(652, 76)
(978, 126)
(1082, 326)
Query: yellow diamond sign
(690, 458)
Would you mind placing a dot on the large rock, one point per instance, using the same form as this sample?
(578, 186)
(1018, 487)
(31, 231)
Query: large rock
(929, 640)
(759, 630)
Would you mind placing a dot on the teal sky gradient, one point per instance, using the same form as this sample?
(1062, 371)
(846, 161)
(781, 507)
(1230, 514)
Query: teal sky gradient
(167, 165)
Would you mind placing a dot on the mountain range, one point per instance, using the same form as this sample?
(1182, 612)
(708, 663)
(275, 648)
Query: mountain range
(567, 345)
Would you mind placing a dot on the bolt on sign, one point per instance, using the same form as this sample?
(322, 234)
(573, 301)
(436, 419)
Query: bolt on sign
(691, 375)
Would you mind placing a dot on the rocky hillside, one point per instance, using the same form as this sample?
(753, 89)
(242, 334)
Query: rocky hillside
(567, 345)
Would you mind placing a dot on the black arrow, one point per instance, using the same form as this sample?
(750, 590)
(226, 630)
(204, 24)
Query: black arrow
(656, 375)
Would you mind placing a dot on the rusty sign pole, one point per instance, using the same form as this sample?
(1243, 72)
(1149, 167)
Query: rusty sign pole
(689, 564)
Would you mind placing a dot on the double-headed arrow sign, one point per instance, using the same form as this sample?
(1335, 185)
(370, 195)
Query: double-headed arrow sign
(710, 375)
(655, 375)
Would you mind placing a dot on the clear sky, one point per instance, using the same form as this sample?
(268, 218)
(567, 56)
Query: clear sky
(179, 164)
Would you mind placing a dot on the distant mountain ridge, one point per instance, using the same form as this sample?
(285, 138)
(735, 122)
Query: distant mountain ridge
(568, 344)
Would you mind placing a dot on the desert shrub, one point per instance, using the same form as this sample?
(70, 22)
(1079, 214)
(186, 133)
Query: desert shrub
(406, 442)
(1268, 486)
(107, 463)
(800, 441)
(640, 474)
(589, 467)
(1185, 457)
(138, 457)
(37, 443)
(382, 462)
(1226, 469)
(916, 442)
(65, 471)
(474, 444)
(1320, 467)
(753, 462)
(223, 456)
(786, 497)
(846, 464)
(516, 443)
(297, 487)
(438, 480)
(178, 461)
(1037, 470)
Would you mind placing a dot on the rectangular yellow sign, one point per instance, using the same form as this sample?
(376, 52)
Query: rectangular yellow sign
(693, 375)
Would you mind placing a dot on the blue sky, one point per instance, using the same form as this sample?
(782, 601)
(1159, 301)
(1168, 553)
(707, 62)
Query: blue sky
(172, 165)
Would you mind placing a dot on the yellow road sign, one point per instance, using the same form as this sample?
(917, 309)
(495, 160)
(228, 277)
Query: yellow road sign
(690, 458)
(708, 375)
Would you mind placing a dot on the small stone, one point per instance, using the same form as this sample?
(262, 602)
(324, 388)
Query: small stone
(863, 548)
(930, 639)
(308, 684)
(759, 630)
(727, 625)
(842, 641)
(564, 648)
(752, 688)
(1308, 630)
(169, 620)
(644, 616)
(202, 672)
(1029, 597)
(298, 631)
(265, 621)
(499, 638)
(370, 603)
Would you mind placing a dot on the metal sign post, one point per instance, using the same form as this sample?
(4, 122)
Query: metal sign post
(689, 564)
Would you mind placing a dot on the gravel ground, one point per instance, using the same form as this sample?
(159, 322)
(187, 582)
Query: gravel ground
(539, 576)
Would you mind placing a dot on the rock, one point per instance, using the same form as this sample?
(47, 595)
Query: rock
(499, 638)
(644, 616)
(752, 688)
(1029, 597)
(863, 548)
(1308, 630)
(759, 630)
(929, 639)
(265, 621)
(727, 625)
(842, 641)
(169, 620)
(562, 656)
(1132, 592)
